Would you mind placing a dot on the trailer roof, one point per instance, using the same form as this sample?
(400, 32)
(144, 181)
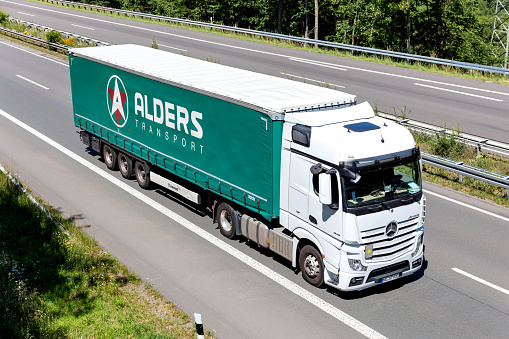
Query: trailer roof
(267, 93)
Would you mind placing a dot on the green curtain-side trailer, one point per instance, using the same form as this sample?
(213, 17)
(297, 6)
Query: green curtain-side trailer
(220, 145)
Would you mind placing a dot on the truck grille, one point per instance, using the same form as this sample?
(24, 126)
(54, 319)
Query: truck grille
(385, 248)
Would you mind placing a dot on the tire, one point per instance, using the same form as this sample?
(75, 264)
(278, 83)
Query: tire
(125, 165)
(110, 157)
(226, 218)
(141, 171)
(311, 265)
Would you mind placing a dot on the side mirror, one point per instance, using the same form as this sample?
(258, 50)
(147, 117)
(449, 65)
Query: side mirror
(325, 192)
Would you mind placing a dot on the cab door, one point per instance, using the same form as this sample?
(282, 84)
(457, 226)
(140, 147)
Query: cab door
(325, 217)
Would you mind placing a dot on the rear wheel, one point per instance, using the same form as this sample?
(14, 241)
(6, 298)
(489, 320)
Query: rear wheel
(311, 265)
(110, 157)
(141, 171)
(125, 165)
(227, 220)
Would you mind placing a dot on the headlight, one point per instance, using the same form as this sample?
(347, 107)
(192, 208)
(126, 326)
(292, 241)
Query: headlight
(418, 247)
(356, 265)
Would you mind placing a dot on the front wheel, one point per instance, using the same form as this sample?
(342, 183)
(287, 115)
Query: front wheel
(141, 171)
(311, 265)
(227, 220)
(110, 157)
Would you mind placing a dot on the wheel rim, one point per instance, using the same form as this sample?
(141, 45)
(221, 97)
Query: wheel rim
(141, 173)
(226, 220)
(311, 266)
(123, 163)
(108, 156)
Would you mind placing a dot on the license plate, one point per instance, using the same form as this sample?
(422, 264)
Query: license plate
(389, 278)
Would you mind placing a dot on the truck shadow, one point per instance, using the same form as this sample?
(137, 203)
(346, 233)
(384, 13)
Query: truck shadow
(201, 210)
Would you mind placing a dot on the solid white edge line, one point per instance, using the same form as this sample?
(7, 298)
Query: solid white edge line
(179, 49)
(457, 92)
(269, 273)
(33, 82)
(302, 77)
(93, 29)
(467, 205)
(40, 56)
(482, 281)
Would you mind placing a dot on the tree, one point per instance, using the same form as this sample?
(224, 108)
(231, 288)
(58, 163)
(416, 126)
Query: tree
(316, 21)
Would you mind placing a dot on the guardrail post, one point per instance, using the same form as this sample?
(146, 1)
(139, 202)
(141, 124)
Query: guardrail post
(460, 179)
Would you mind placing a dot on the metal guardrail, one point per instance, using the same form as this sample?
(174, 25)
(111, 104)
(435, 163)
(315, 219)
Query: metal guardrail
(33, 39)
(66, 34)
(481, 143)
(467, 170)
(335, 45)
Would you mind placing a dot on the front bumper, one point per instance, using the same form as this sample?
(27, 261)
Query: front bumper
(377, 273)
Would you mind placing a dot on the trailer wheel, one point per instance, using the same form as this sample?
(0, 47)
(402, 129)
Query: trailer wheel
(125, 165)
(110, 157)
(226, 220)
(311, 265)
(141, 172)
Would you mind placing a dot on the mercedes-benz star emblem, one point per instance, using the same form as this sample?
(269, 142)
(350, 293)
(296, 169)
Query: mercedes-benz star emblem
(391, 229)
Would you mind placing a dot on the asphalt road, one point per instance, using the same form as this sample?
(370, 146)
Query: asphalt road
(240, 290)
(477, 107)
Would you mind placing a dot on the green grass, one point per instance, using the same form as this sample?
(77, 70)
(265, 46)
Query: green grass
(58, 285)
(433, 68)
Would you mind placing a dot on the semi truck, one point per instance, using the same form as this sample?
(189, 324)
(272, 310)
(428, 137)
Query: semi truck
(301, 170)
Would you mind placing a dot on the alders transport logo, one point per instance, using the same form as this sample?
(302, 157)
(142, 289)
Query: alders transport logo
(116, 97)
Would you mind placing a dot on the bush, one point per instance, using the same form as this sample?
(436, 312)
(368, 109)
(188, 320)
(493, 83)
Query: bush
(54, 36)
(3, 17)
(448, 145)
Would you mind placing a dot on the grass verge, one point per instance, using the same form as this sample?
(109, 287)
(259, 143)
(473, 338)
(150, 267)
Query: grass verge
(56, 284)
(433, 68)
(447, 146)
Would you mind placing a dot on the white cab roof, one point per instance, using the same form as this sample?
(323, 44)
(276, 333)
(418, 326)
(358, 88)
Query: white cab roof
(313, 118)
(267, 93)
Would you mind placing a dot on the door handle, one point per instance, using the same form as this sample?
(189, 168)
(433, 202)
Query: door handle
(312, 219)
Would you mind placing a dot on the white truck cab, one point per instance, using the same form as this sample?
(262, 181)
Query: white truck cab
(351, 185)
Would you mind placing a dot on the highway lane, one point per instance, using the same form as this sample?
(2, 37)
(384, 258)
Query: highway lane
(479, 108)
(234, 298)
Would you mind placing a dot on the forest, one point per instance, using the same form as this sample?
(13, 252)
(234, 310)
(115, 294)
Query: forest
(451, 29)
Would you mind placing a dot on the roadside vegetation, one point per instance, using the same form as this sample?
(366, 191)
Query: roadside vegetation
(56, 282)
(447, 146)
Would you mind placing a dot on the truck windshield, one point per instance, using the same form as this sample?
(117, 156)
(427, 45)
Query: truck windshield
(383, 185)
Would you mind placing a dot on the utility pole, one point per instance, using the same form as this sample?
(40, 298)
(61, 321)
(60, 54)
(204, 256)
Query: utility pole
(500, 34)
